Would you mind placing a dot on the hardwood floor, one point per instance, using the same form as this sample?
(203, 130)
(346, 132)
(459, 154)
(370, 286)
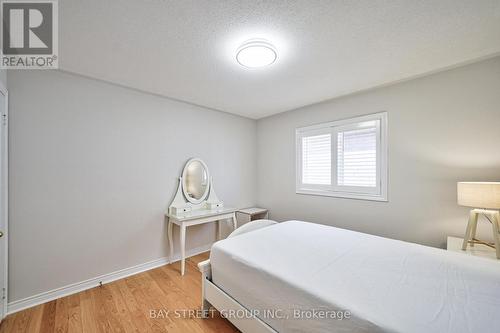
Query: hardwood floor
(125, 306)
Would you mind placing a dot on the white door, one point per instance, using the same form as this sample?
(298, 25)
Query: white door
(3, 202)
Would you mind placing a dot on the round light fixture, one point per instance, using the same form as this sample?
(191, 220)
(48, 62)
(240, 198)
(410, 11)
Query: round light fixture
(256, 53)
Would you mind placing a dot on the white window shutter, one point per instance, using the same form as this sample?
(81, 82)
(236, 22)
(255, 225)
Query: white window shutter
(316, 159)
(357, 157)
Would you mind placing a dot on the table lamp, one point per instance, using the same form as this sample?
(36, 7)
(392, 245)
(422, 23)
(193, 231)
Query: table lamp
(484, 199)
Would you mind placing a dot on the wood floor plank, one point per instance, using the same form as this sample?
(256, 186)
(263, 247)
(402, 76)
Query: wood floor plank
(189, 286)
(111, 310)
(127, 305)
(36, 319)
(74, 314)
(48, 317)
(101, 314)
(138, 315)
(62, 318)
(140, 285)
(22, 321)
(89, 324)
(122, 312)
(7, 324)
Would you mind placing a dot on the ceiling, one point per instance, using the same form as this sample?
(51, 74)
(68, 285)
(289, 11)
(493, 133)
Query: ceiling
(186, 49)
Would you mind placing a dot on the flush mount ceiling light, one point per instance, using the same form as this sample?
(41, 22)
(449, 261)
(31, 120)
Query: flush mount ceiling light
(256, 53)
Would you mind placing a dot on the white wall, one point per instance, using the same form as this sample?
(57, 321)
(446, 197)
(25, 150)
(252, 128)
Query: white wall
(442, 129)
(93, 167)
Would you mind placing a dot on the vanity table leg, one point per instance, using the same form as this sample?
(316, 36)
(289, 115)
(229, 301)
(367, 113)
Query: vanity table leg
(235, 222)
(219, 230)
(183, 248)
(170, 240)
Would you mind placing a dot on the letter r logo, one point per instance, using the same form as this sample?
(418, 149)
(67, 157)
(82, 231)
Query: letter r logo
(27, 27)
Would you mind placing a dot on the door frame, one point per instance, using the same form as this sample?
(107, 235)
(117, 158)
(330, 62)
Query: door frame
(4, 195)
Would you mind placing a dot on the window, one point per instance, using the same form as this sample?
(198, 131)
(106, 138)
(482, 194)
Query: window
(346, 158)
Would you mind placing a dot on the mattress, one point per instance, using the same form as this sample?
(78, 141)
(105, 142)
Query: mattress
(304, 277)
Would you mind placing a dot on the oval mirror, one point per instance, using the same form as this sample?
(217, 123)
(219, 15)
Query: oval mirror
(195, 180)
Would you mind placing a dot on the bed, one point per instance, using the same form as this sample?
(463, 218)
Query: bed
(303, 277)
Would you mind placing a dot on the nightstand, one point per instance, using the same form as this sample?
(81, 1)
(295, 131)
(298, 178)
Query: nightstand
(479, 250)
(250, 214)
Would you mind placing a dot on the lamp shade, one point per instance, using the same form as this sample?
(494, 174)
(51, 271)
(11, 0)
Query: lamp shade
(479, 194)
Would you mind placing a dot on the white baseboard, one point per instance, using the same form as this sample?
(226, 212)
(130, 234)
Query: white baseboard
(73, 288)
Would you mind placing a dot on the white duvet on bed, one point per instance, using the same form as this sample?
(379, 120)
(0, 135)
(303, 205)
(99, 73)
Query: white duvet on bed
(386, 285)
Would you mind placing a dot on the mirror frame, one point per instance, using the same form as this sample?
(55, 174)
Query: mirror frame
(184, 171)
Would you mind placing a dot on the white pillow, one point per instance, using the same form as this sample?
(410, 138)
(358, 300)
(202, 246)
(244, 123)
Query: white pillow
(252, 225)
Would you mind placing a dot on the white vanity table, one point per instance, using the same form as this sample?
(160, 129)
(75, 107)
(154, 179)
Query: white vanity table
(195, 203)
(195, 218)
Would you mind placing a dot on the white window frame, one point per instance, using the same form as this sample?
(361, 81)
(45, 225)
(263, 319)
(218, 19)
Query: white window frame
(378, 193)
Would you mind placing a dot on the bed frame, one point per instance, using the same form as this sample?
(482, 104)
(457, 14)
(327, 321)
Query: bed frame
(213, 296)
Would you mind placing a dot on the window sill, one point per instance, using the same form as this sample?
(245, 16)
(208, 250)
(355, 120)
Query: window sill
(344, 195)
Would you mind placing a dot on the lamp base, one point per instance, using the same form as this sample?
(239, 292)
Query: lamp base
(478, 241)
(470, 233)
